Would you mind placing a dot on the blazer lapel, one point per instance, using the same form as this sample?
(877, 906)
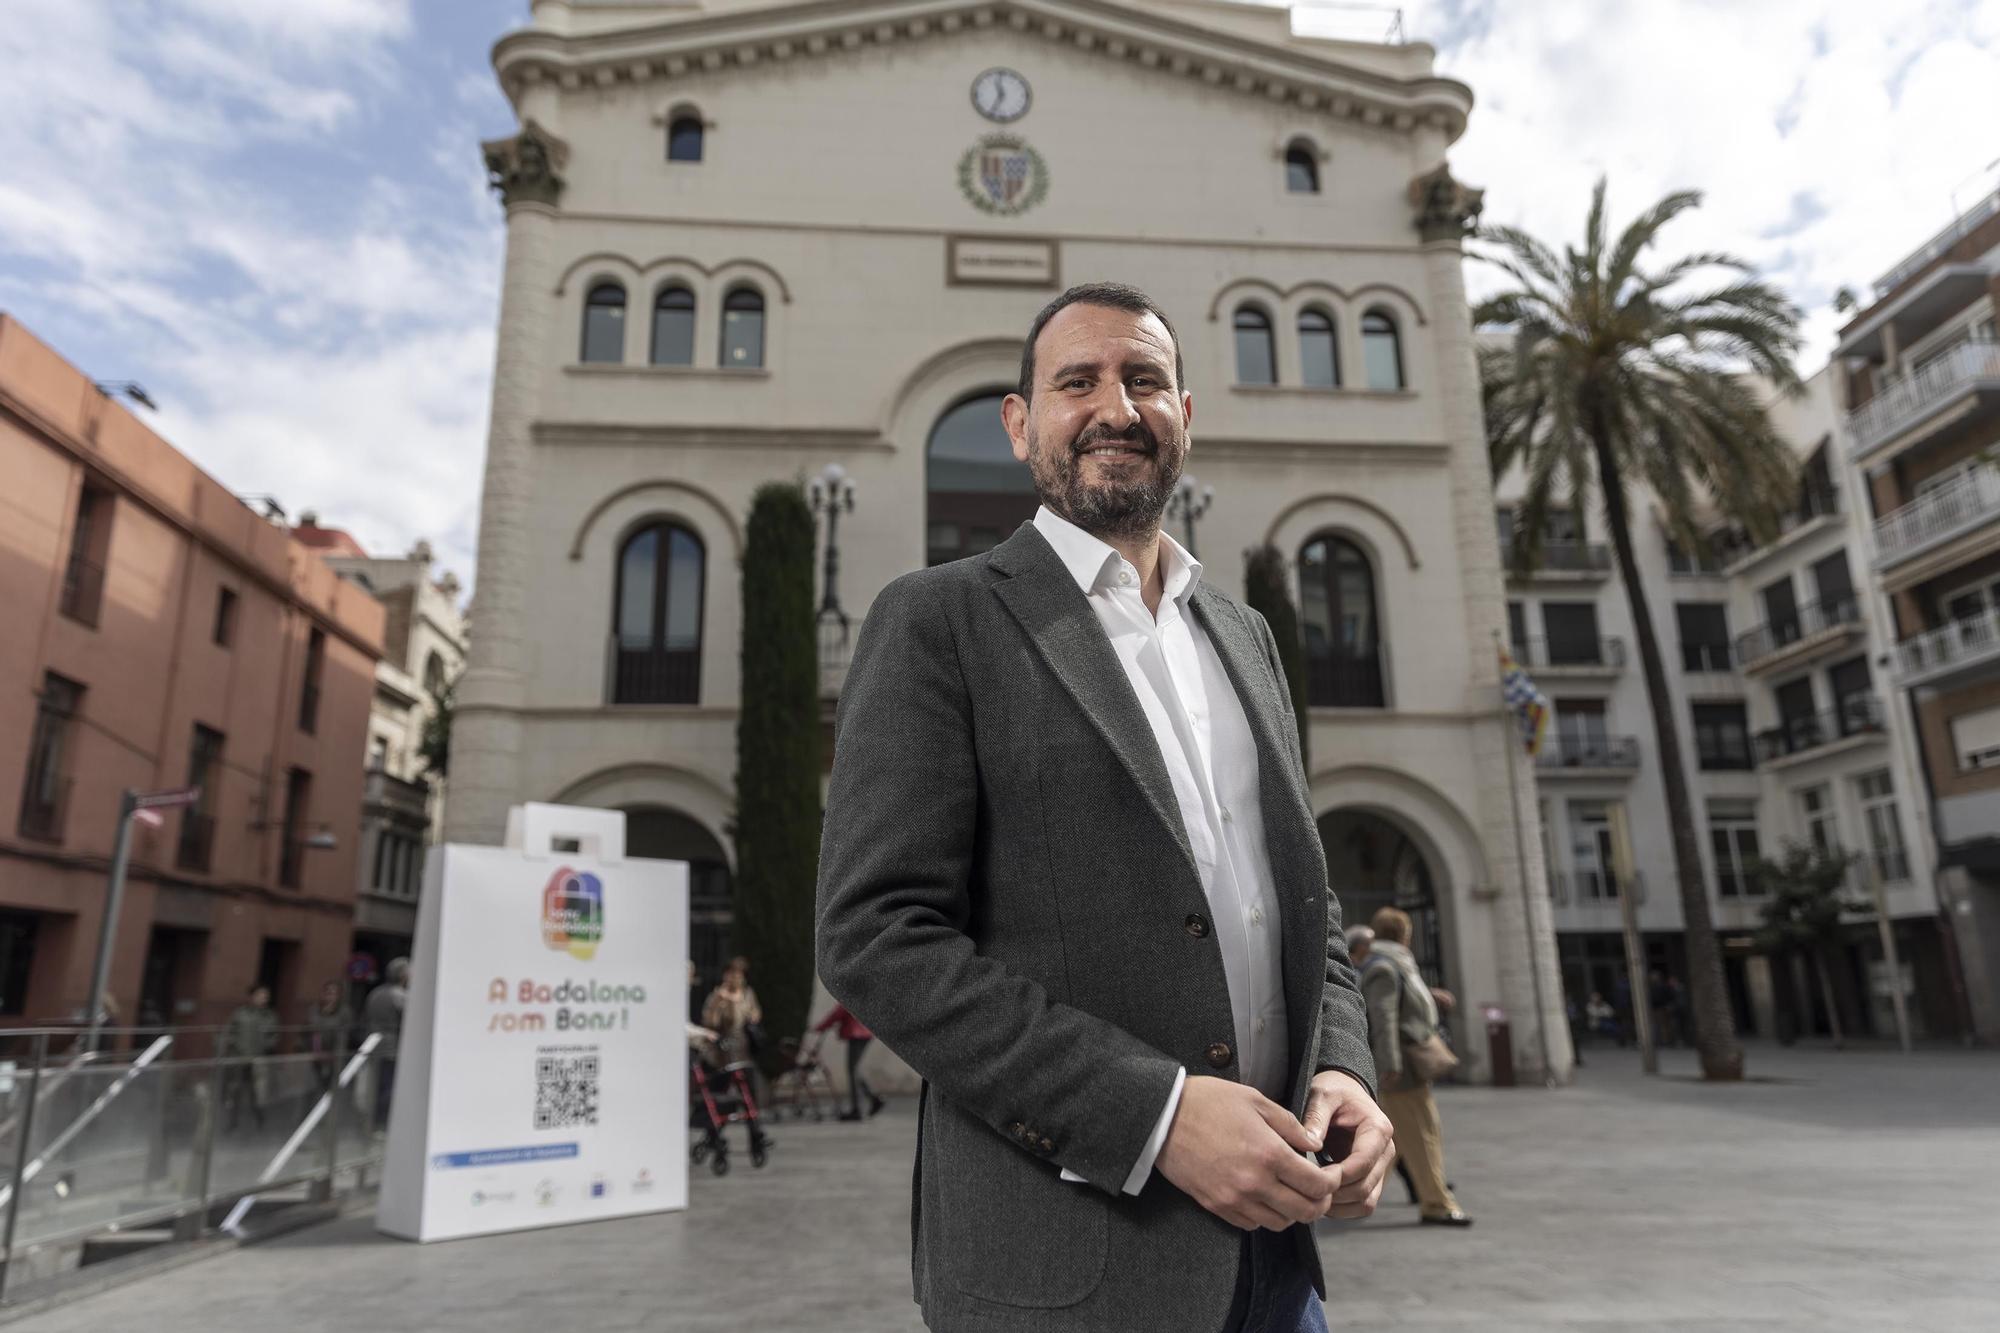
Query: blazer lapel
(1057, 617)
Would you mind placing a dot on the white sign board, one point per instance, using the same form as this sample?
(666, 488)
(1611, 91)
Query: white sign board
(542, 1075)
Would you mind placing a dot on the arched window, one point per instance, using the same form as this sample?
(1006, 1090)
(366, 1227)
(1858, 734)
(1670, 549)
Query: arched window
(1337, 604)
(434, 677)
(743, 329)
(1319, 357)
(1256, 357)
(1381, 350)
(604, 323)
(684, 138)
(673, 327)
(657, 634)
(1301, 168)
(977, 492)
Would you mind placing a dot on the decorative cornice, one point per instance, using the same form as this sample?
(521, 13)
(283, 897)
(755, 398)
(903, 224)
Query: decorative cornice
(1108, 29)
(1446, 209)
(618, 435)
(526, 168)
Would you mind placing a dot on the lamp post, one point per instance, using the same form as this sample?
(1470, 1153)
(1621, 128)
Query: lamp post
(1189, 502)
(831, 493)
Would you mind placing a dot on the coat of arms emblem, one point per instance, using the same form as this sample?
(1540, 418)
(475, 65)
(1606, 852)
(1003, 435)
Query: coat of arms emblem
(1002, 175)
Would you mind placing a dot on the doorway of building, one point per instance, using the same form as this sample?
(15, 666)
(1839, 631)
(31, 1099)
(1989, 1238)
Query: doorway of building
(170, 986)
(278, 971)
(1371, 863)
(977, 492)
(668, 835)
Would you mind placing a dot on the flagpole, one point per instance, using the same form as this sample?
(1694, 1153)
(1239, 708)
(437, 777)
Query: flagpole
(1527, 892)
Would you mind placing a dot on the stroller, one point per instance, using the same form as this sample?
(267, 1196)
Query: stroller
(718, 1098)
(805, 1079)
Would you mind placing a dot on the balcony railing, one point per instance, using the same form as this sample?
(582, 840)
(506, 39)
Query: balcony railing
(1563, 558)
(82, 591)
(1962, 643)
(1908, 399)
(1857, 715)
(1604, 652)
(44, 804)
(644, 673)
(1345, 680)
(197, 841)
(1560, 752)
(1837, 612)
(1591, 885)
(1959, 505)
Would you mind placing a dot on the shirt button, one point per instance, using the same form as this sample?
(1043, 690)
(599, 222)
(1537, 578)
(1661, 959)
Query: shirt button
(1256, 916)
(1227, 818)
(1124, 576)
(1260, 1027)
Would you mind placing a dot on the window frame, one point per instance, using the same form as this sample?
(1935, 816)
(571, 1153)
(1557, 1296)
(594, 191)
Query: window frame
(658, 610)
(763, 312)
(673, 287)
(682, 119)
(1238, 328)
(1366, 684)
(1394, 333)
(1332, 333)
(591, 305)
(1300, 153)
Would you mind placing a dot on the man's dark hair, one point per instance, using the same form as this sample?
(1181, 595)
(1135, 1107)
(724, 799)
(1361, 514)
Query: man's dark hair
(1112, 295)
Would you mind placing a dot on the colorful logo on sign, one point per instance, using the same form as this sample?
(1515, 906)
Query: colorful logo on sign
(573, 912)
(1003, 175)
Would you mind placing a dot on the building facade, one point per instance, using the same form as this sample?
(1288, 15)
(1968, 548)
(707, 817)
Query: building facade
(1921, 392)
(160, 634)
(423, 652)
(745, 241)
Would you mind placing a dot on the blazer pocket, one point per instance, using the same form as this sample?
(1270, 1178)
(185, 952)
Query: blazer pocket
(1009, 1229)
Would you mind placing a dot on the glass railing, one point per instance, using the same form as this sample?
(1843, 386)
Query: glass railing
(165, 1126)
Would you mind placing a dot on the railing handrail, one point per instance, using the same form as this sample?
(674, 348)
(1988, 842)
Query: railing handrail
(1952, 642)
(1535, 651)
(1858, 714)
(1808, 619)
(1940, 242)
(1568, 556)
(1973, 494)
(1607, 751)
(1907, 395)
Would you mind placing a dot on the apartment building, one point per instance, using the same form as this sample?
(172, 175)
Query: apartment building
(158, 633)
(1920, 383)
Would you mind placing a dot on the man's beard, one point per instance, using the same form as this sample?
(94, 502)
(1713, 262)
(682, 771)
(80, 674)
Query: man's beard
(1126, 506)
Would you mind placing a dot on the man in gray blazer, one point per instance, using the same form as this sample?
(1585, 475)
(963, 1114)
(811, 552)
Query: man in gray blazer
(1071, 876)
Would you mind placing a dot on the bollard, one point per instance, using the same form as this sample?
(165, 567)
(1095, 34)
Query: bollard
(1499, 1045)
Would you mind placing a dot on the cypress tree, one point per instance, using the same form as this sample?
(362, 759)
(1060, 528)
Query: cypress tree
(1266, 587)
(778, 759)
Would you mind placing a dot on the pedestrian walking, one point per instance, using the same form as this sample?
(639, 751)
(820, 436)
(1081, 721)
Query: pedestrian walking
(251, 1034)
(332, 1024)
(732, 1011)
(382, 1012)
(1660, 997)
(1409, 1054)
(1602, 1018)
(857, 1038)
(1069, 873)
(1361, 939)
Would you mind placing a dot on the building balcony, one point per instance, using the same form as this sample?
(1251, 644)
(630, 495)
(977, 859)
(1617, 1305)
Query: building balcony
(1346, 680)
(1936, 520)
(1601, 656)
(1857, 721)
(1953, 652)
(82, 591)
(384, 793)
(1588, 756)
(44, 807)
(1961, 383)
(646, 673)
(197, 842)
(1592, 887)
(1818, 509)
(1562, 562)
(1814, 628)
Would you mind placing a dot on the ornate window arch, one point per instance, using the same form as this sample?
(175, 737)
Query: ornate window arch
(1339, 622)
(1301, 167)
(743, 328)
(673, 325)
(1381, 350)
(1256, 350)
(1319, 349)
(686, 135)
(604, 322)
(657, 615)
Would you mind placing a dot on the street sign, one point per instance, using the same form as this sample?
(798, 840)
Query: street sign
(164, 800)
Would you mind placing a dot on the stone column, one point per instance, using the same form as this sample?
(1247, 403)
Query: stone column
(1445, 211)
(486, 728)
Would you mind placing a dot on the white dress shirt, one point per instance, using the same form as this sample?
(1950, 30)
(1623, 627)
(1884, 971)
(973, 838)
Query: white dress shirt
(1211, 758)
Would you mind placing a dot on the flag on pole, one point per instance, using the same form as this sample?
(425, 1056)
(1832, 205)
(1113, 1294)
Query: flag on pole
(1528, 704)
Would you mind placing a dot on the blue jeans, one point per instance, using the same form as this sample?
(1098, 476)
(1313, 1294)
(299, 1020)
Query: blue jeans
(1273, 1293)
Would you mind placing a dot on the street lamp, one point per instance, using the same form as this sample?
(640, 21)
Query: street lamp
(831, 493)
(1189, 502)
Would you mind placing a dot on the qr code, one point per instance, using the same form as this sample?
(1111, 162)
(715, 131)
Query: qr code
(565, 1091)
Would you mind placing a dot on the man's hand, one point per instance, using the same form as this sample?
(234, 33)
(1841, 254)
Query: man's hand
(1236, 1152)
(1339, 1100)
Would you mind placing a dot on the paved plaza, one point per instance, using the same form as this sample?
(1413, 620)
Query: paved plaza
(1833, 1190)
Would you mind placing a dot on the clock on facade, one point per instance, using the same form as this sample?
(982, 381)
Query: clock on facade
(1001, 95)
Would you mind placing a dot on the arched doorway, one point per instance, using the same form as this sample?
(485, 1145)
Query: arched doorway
(977, 492)
(668, 835)
(1371, 864)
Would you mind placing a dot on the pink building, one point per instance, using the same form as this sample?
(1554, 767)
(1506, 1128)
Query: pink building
(155, 632)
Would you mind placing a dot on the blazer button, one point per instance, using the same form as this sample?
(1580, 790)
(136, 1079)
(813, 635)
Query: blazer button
(1197, 925)
(1218, 1055)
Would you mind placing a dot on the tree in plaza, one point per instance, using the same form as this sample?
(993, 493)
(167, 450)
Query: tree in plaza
(434, 746)
(778, 758)
(1624, 374)
(1804, 902)
(1267, 590)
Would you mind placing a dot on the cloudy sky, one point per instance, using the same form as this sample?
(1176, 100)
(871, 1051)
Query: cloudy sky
(271, 212)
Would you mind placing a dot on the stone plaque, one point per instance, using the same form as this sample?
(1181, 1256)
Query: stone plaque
(989, 261)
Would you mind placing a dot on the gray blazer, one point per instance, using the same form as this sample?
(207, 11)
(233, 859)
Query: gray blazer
(1007, 898)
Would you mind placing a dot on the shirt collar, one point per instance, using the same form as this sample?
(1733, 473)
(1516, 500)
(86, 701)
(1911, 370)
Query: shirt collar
(1093, 563)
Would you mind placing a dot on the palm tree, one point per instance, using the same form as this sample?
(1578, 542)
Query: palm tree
(1622, 373)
